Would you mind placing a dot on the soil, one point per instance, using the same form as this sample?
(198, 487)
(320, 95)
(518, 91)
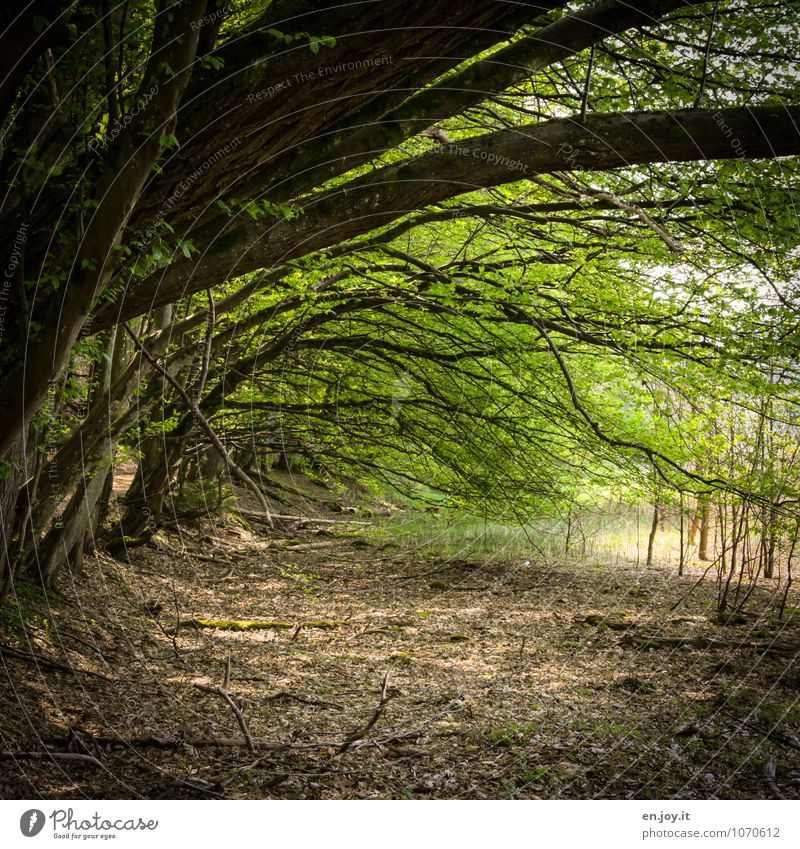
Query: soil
(380, 673)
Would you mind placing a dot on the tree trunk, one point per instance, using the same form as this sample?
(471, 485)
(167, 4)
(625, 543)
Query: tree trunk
(772, 540)
(10, 483)
(653, 531)
(144, 502)
(702, 550)
(124, 168)
(695, 526)
(737, 529)
(569, 532)
(70, 535)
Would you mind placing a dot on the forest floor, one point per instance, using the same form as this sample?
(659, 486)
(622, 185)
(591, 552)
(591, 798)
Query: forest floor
(380, 672)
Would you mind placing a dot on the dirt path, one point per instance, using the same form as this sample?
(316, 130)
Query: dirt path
(387, 675)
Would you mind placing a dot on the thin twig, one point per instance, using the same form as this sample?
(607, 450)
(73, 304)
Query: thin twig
(224, 694)
(587, 86)
(386, 695)
(704, 76)
(171, 635)
(694, 586)
(670, 241)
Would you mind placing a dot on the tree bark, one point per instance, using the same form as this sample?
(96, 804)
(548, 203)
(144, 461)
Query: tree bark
(694, 527)
(705, 523)
(10, 483)
(651, 540)
(69, 536)
(145, 500)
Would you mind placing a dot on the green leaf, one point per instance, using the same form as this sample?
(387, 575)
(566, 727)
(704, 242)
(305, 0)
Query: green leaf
(168, 141)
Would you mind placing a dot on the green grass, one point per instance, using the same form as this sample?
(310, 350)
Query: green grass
(453, 533)
(513, 733)
(600, 726)
(26, 604)
(532, 774)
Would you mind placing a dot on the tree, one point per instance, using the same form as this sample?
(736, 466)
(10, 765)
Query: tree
(162, 151)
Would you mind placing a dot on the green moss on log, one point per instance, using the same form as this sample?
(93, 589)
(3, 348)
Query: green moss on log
(233, 624)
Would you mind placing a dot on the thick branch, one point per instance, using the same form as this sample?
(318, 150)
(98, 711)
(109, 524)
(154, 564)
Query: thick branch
(603, 142)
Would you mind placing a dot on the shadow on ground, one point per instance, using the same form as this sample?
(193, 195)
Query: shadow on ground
(378, 673)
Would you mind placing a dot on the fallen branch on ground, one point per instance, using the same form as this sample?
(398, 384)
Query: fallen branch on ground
(274, 746)
(210, 558)
(656, 642)
(284, 694)
(261, 743)
(597, 620)
(310, 520)
(367, 631)
(50, 664)
(226, 696)
(176, 742)
(259, 625)
(47, 756)
(386, 695)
